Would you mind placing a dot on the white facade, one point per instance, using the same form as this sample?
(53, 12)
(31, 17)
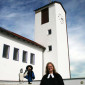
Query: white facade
(59, 55)
(9, 68)
(58, 39)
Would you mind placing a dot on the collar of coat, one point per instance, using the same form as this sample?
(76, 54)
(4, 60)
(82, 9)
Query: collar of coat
(52, 75)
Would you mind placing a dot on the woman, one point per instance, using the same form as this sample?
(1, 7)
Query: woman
(30, 74)
(51, 77)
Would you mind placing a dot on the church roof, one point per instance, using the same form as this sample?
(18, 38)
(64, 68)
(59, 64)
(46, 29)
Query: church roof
(50, 4)
(21, 37)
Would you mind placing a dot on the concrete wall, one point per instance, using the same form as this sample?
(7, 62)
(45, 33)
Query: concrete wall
(75, 81)
(9, 68)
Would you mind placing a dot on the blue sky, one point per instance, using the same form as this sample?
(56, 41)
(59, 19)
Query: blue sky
(19, 16)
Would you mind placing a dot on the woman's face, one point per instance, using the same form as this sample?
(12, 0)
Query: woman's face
(29, 68)
(50, 68)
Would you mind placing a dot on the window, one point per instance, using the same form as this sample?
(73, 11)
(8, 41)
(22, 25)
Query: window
(50, 48)
(6, 51)
(44, 16)
(24, 58)
(32, 58)
(49, 32)
(16, 54)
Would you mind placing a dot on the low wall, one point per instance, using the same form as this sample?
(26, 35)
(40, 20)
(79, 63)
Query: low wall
(77, 81)
(66, 82)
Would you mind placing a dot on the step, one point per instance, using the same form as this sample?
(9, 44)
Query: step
(66, 82)
(20, 83)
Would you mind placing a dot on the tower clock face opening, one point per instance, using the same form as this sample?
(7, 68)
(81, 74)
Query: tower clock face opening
(61, 19)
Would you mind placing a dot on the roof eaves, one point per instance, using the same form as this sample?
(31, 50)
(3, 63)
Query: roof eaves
(21, 37)
(50, 4)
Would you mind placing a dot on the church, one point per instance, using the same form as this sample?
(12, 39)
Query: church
(50, 45)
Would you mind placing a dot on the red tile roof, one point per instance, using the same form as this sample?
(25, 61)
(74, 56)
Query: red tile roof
(21, 37)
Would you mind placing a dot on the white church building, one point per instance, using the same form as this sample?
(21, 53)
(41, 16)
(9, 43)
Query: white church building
(50, 45)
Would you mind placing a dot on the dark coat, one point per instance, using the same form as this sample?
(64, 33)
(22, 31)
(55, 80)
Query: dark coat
(30, 76)
(57, 80)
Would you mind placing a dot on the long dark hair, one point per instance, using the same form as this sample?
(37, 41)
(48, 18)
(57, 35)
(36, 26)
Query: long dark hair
(54, 70)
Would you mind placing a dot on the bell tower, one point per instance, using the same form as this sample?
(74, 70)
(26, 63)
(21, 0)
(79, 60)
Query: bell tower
(51, 32)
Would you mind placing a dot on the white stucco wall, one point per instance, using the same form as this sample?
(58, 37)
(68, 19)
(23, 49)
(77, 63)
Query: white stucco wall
(9, 68)
(62, 43)
(58, 39)
(43, 38)
(75, 81)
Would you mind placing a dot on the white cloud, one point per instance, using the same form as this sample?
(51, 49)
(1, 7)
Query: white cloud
(78, 69)
(76, 36)
(76, 44)
(10, 15)
(17, 16)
